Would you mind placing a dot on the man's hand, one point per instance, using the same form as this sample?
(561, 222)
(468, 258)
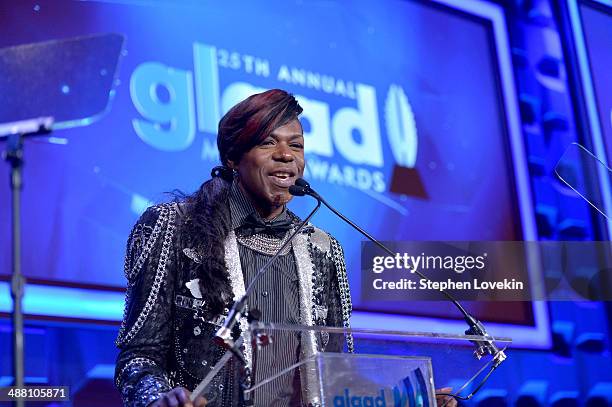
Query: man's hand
(178, 397)
(446, 401)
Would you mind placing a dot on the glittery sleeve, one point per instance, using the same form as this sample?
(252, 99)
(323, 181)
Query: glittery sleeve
(145, 335)
(340, 293)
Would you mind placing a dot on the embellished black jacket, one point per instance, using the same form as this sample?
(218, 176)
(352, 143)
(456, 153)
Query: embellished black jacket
(166, 335)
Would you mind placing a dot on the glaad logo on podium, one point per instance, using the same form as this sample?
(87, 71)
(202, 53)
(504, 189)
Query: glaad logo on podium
(175, 104)
(346, 400)
(401, 397)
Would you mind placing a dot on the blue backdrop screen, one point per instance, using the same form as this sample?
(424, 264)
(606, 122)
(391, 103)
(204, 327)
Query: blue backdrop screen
(404, 120)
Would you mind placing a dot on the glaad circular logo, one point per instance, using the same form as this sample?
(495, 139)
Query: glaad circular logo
(402, 135)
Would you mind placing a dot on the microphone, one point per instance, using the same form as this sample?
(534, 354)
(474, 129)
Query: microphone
(301, 182)
(223, 336)
(476, 327)
(305, 186)
(296, 190)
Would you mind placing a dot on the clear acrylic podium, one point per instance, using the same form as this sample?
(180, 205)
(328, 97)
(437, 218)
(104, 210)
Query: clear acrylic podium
(388, 368)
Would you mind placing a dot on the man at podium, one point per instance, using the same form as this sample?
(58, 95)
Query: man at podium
(188, 260)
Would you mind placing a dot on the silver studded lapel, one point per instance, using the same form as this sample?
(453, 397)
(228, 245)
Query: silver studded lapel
(309, 345)
(305, 270)
(320, 240)
(232, 261)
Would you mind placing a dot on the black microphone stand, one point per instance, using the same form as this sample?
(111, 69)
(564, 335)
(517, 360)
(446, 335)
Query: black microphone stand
(13, 155)
(476, 328)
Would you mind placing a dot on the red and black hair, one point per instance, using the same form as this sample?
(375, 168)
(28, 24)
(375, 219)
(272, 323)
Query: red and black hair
(248, 123)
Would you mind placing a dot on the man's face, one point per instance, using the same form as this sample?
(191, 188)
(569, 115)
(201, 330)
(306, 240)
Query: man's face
(268, 170)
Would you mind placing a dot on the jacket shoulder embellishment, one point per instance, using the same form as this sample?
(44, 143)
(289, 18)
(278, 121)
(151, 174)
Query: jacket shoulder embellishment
(193, 255)
(194, 287)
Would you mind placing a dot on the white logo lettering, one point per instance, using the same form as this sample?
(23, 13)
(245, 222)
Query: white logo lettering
(172, 102)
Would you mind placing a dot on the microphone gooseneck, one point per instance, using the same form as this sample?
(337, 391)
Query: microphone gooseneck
(476, 327)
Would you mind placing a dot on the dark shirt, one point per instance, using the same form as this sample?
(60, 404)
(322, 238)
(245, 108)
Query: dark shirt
(276, 296)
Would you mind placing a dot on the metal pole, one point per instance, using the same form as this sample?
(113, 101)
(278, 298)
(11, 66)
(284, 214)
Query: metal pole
(14, 156)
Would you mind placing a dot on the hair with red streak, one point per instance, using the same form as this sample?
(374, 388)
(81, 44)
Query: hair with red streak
(249, 122)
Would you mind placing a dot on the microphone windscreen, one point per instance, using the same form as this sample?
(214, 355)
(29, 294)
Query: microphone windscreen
(296, 190)
(301, 182)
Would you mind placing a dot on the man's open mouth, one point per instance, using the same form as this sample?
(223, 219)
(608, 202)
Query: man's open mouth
(283, 179)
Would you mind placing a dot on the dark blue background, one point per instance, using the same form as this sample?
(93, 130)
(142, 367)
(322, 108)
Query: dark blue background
(444, 61)
(78, 198)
